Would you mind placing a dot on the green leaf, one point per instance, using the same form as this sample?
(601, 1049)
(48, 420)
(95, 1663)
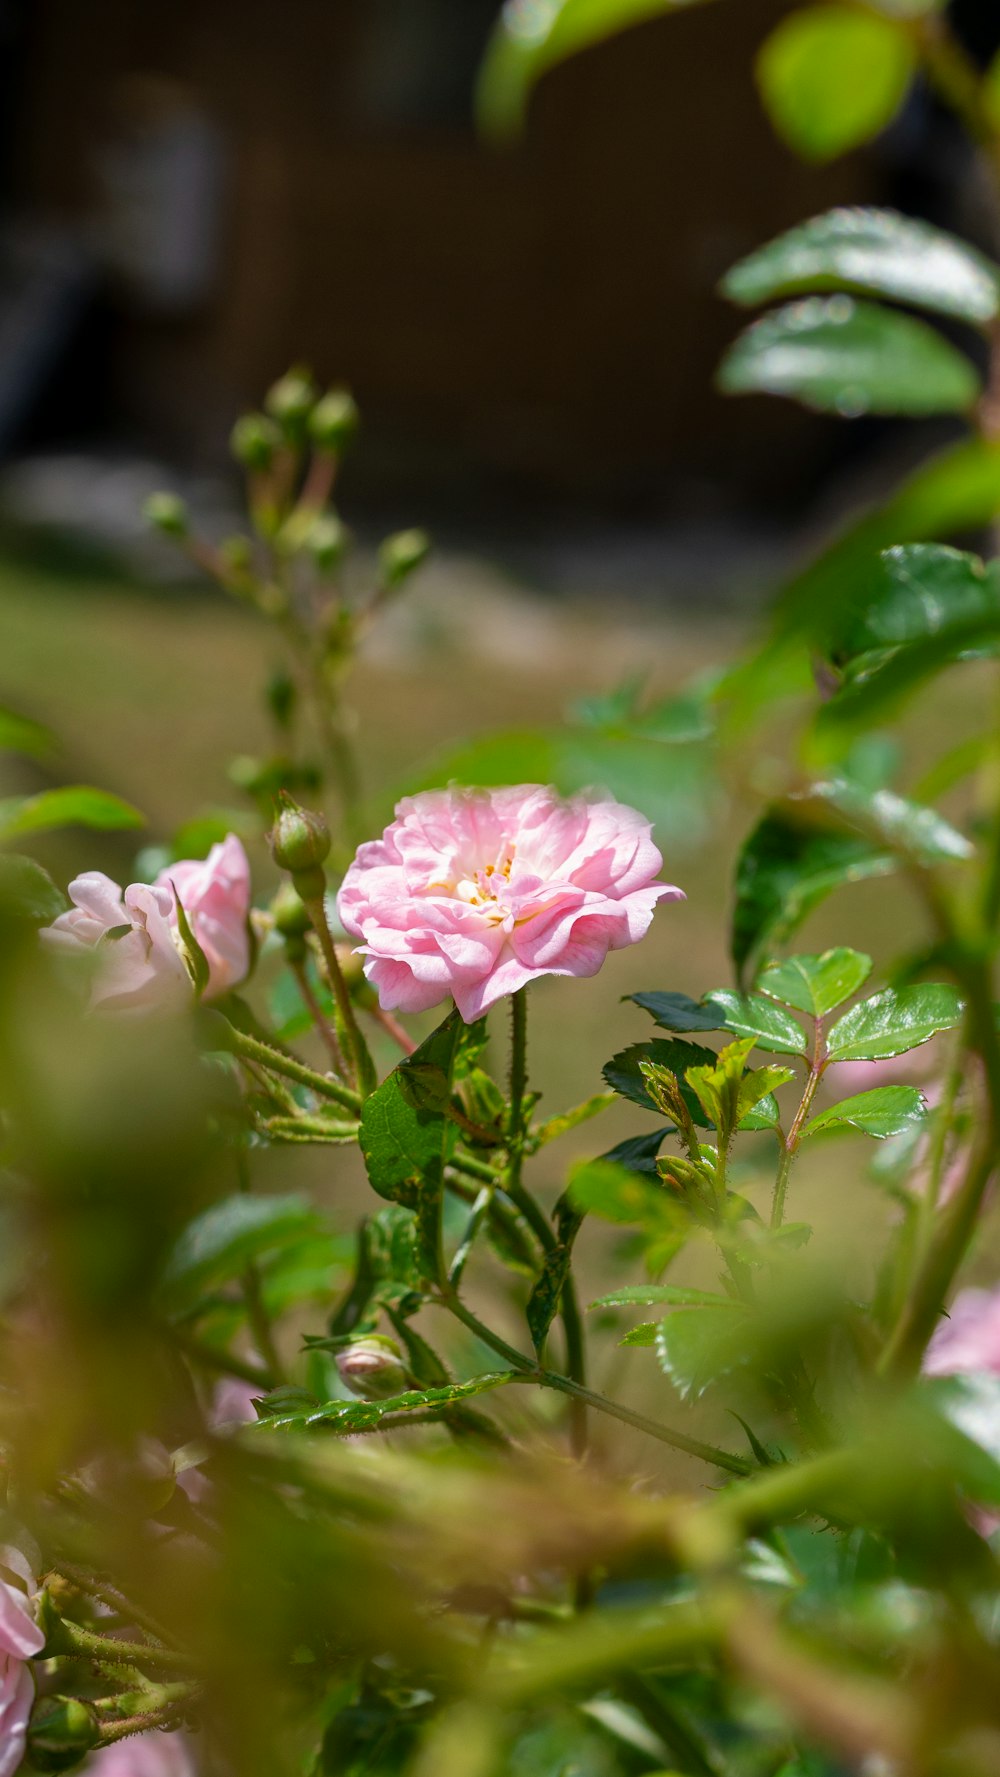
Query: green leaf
(832, 77)
(785, 869)
(816, 984)
(405, 1140)
(346, 1418)
(883, 1112)
(623, 1073)
(546, 1296)
(561, 1124)
(957, 490)
(675, 1011)
(638, 1152)
(220, 1243)
(750, 1015)
(194, 956)
(27, 892)
(839, 355)
(755, 1106)
(75, 806)
(602, 1188)
(916, 834)
(648, 1295)
(894, 1021)
(697, 1347)
(871, 253)
(19, 734)
(533, 36)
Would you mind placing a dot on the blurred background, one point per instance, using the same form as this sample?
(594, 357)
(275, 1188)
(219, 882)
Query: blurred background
(193, 199)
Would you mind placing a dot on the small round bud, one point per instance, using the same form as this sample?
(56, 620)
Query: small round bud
(60, 1732)
(289, 914)
(327, 542)
(254, 440)
(300, 840)
(290, 401)
(167, 513)
(334, 421)
(401, 555)
(373, 1367)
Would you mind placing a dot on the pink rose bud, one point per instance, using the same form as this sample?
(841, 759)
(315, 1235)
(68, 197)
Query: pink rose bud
(474, 893)
(136, 938)
(373, 1368)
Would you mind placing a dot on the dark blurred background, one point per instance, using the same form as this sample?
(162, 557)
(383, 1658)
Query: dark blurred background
(195, 196)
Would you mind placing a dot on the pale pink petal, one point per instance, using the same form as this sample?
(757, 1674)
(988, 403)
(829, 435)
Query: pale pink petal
(19, 1633)
(17, 1694)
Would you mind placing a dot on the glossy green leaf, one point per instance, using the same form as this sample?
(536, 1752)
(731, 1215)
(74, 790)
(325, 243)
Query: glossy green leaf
(75, 806)
(19, 734)
(785, 869)
(638, 1152)
(698, 1347)
(750, 1015)
(406, 1141)
(677, 1012)
(914, 833)
(831, 77)
(27, 892)
(894, 1021)
(885, 1111)
(219, 1244)
(839, 355)
(816, 984)
(616, 1194)
(533, 36)
(871, 253)
(347, 1418)
(957, 490)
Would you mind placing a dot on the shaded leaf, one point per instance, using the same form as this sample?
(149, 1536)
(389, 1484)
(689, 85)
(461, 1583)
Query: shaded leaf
(638, 1152)
(816, 984)
(894, 1021)
(27, 892)
(832, 77)
(546, 1296)
(885, 1111)
(676, 1011)
(839, 355)
(220, 1242)
(624, 1076)
(785, 869)
(697, 1347)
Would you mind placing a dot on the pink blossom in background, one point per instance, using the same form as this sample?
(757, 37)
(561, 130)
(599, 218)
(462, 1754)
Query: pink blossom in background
(153, 1754)
(845, 1078)
(20, 1638)
(474, 893)
(969, 1339)
(141, 967)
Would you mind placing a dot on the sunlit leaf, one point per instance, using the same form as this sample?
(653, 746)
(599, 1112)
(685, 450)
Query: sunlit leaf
(883, 1112)
(831, 77)
(648, 1295)
(917, 834)
(534, 35)
(348, 1418)
(75, 806)
(749, 1014)
(839, 355)
(19, 734)
(891, 1022)
(816, 984)
(785, 869)
(623, 1073)
(871, 253)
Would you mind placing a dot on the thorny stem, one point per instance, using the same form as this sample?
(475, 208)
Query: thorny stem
(518, 1086)
(362, 1065)
(277, 1062)
(790, 1143)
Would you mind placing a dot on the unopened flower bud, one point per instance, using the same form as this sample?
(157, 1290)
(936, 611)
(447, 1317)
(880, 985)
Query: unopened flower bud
(289, 913)
(300, 839)
(334, 420)
(373, 1367)
(167, 513)
(254, 440)
(290, 401)
(60, 1732)
(401, 555)
(326, 542)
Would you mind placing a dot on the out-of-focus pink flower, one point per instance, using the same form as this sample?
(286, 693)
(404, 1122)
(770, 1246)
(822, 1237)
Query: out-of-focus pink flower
(845, 1078)
(141, 966)
(215, 895)
(969, 1339)
(20, 1638)
(153, 1754)
(474, 893)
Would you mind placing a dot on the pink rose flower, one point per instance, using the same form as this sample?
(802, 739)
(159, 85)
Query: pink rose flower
(474, 893)
(20, 1638)
(969, 1339)
(141, 964)
(152, 1754)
